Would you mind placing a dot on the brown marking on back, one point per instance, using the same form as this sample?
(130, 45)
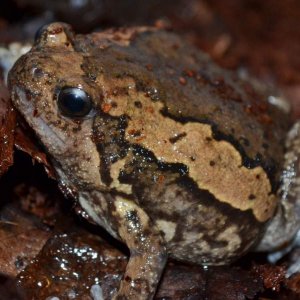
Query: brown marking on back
(226, 178)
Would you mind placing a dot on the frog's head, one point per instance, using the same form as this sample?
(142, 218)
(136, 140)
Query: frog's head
(57, 100)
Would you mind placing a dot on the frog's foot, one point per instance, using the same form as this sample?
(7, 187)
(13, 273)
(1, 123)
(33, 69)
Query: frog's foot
(147, 251)
(294, 262)
(282, 230)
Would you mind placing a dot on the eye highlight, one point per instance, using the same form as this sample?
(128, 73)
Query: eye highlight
(74, 102)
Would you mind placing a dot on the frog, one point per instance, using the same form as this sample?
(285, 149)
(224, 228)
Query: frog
(168, 152)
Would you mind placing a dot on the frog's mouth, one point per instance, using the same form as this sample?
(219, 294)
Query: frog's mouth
(43, 130)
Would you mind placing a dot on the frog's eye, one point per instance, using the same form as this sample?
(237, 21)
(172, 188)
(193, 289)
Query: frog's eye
(74, 102)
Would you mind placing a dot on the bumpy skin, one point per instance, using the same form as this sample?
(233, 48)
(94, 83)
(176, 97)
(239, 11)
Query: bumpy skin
(177, 155)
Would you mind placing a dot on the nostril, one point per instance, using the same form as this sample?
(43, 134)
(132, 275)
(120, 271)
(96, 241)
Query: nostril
(28, 95)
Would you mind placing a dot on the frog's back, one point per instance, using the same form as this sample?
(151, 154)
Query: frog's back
(200, 148)
(193, 89)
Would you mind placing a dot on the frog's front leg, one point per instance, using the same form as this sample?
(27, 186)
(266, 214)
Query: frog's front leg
(147, 251)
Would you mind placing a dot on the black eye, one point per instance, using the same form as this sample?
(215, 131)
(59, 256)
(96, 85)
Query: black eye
(74, 102)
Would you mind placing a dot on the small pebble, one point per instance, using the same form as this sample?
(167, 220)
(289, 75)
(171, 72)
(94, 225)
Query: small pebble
(96, 292)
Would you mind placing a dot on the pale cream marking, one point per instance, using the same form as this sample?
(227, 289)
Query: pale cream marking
(123, 206)
(168, 227)
(201, 248)
(192, 238)
(228, 180)
(231, 236)
(115, 170)
(91, 211)
(95, 208)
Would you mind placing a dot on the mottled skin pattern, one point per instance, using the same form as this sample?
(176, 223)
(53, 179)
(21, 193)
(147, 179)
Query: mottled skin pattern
(176, 157)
